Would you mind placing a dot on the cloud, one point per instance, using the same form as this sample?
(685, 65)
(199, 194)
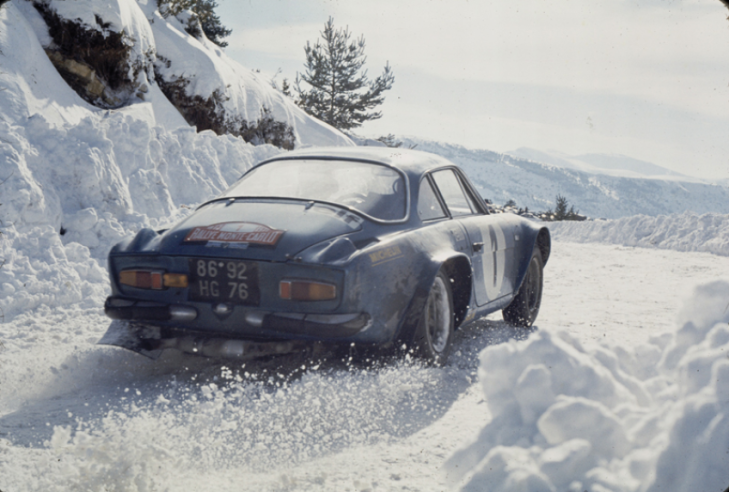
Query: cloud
(651, 74)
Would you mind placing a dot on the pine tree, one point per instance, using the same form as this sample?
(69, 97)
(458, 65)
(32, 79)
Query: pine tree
(340, 92)
(204, 18)
(560, 210)
(210, 22)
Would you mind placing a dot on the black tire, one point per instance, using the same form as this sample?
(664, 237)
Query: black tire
(432, 337)
(524, 308)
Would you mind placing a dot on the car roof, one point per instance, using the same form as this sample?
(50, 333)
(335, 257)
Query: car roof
(411, 162)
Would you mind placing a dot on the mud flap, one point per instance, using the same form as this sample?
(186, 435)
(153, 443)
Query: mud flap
(137, 337)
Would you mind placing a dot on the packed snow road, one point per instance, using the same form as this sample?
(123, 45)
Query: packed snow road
(76, 416)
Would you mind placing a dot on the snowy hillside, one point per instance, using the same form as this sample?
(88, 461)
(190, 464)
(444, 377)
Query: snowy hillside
(608, 164)
(125, 55)
(501, 177)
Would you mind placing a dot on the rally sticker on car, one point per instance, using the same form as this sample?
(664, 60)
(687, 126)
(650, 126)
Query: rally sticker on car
(235, 232)
(386, 254)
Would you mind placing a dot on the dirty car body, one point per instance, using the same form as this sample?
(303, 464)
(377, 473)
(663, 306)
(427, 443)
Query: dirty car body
(321, 245)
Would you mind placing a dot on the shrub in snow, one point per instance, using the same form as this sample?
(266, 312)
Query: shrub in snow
(210, 114)
(601, 419)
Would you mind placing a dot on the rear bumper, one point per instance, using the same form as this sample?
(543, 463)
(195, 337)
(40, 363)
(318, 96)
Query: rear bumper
(251, 321)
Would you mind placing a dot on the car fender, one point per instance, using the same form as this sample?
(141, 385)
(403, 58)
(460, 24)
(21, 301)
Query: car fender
(426, 277)
(532, 236)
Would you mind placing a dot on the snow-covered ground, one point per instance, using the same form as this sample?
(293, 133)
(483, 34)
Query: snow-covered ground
(629, 396)
(617, 388)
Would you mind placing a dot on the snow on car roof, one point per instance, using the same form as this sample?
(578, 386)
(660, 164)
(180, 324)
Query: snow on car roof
(407, 160)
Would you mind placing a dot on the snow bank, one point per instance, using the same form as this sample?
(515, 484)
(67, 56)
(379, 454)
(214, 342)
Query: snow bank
(683, 232)
(648, 418)
(75, 180)
(72, 193)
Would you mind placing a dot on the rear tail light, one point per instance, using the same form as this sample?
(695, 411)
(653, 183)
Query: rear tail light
(146, 279)
(176, 280)
(305, 290)
(142, 279)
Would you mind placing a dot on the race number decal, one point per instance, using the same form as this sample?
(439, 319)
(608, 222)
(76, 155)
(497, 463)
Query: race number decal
(494, 260)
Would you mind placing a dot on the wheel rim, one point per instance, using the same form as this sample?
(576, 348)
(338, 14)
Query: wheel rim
(534, 287)
(438, 315)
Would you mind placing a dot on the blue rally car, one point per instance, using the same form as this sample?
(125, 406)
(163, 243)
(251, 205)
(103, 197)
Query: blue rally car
(374, 246)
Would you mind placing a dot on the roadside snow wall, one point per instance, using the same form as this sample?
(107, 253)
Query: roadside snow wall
(69, 194)
(683, 232)
(74, 180)
(642, 419)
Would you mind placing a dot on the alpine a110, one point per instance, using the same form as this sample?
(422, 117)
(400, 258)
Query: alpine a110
(377, 247)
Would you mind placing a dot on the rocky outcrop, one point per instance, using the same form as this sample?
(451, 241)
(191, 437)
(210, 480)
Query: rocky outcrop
(95, 62)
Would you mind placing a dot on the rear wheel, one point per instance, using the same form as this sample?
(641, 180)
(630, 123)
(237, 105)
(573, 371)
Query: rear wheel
(524, 308)
(432, 337)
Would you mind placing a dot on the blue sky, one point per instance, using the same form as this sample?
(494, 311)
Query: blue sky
(648, 79)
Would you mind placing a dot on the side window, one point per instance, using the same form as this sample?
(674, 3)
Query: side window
(452, 192)
(428, 204)
(471, 200)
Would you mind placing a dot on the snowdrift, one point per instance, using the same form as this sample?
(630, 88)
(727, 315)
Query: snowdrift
(649, 418)
(683, 232)
(74, 180)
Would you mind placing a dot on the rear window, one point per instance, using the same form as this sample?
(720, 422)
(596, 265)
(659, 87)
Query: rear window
(373, 189)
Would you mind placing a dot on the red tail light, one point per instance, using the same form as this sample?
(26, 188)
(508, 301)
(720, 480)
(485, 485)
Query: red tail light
(142, 279)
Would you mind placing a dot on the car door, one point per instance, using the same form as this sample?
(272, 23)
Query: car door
(491, 246)
(431, 212)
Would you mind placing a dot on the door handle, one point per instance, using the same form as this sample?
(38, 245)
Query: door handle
(477, 247)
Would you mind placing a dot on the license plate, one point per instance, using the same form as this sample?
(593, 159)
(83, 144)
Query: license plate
(230, 281)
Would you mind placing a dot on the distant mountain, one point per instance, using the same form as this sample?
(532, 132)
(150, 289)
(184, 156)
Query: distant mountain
(502, 177)
(607, 164)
